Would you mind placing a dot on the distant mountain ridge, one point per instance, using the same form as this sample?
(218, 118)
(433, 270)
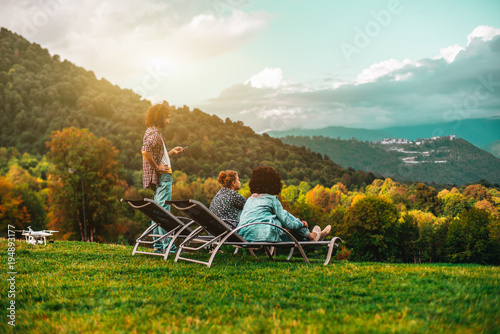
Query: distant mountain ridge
(493, 148)
(338, 132)
(479, 132)
(442, 160)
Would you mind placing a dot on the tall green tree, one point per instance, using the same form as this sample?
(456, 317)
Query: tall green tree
(372, 230)
(476, 191)
(426, 199)
(454, 204)
(474, 237)
(409, 249)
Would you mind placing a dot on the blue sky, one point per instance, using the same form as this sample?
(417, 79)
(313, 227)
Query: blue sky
(284, 64)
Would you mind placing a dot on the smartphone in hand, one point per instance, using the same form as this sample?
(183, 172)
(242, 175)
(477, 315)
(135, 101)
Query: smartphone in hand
(183, 149)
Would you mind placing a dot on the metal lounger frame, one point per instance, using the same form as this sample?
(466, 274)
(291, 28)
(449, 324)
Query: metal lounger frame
(224, 235)
(174, 226)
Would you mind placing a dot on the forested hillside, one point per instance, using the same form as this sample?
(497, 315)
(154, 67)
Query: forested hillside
(39, 93)
(442, 161)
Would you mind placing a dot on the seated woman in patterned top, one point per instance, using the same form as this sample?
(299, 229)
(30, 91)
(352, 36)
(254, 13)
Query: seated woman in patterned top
(264, 207)
(227, 204)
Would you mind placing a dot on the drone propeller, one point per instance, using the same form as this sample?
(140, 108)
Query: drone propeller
(47, 231)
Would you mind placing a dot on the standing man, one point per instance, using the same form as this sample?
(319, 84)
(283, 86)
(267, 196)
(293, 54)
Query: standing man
(156, 167)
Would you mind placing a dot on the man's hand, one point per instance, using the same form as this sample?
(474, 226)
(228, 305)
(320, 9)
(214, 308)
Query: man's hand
(176, 150)
(305, 223)
(162, 169)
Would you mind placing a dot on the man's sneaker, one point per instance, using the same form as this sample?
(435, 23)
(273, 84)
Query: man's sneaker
(157, 250)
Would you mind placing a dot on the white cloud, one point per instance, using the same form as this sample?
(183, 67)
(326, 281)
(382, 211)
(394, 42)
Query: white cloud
(207, 35)
(389, 93)
(383, 68)
(380, 69)
(267, 78)
(272, 79)
(279, 111)
(339, 83)
(449, 53)
(485, 33)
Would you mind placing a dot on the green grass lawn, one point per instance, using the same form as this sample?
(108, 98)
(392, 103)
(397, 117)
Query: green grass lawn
(72, 287)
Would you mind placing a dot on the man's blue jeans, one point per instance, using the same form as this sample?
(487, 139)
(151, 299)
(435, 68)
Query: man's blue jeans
(163, 193)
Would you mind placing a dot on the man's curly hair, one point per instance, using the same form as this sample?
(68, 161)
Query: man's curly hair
(155, 116)
(265, 180)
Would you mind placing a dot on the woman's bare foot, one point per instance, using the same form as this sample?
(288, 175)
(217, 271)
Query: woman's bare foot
(315, 233)
(325, 232)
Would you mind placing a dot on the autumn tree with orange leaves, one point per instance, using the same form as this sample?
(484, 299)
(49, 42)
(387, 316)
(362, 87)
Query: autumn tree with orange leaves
(12, 209)
(96, 160)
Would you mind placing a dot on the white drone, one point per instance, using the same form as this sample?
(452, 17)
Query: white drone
(37, 237)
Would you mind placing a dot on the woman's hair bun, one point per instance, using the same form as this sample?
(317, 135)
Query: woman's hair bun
(222, 177)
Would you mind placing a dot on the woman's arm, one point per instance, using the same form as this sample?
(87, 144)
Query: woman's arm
(238, 201)
(288, 220)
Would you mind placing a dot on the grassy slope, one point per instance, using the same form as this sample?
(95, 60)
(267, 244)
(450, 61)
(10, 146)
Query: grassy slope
(76, 287)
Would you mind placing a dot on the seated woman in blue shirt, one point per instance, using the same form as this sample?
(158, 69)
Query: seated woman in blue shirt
(227, 203)
(263, 206)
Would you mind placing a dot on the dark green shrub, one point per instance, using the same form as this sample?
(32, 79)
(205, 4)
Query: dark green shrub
(474, 238)
(372, 233)
(454, 204)
(336, 219)
(439, 252)
(408, 236)
(426, 199)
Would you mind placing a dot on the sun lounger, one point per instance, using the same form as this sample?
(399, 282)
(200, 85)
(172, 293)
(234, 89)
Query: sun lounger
(223, 234)
(175, 227)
